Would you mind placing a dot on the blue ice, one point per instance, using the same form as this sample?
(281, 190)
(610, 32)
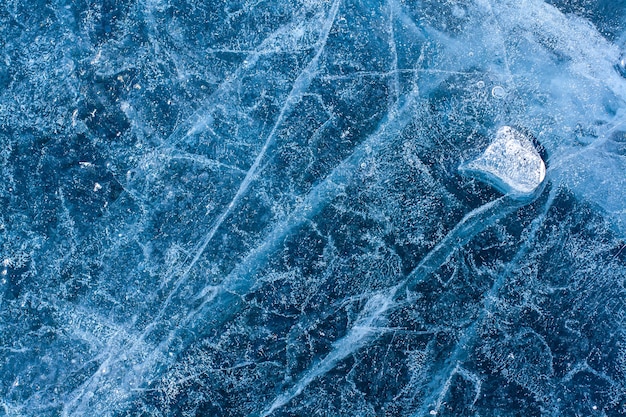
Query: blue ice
(313, 207)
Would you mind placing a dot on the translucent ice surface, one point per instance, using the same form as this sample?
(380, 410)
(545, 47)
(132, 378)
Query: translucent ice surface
(255, 208)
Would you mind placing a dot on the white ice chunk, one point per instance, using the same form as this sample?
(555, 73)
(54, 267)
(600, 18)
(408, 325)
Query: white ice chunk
(510, 163)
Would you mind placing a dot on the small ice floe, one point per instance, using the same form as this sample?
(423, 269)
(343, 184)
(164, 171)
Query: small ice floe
(510, 163)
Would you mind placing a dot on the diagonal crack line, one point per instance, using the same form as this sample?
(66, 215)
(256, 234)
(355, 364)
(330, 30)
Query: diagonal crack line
(241, 279)
(198, 119)
(359, 335)
(225, 301)
(301, 84)
(438, 386)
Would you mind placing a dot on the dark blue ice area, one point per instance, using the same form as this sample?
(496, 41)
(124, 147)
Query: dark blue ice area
(232, 208)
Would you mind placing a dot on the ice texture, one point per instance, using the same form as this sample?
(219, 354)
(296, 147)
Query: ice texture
(255, 208)
(511, 163)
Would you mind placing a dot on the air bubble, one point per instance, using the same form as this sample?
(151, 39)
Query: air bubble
(498, 92)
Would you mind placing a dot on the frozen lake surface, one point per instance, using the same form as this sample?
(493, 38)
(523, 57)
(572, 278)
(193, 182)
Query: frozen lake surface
(312, 207)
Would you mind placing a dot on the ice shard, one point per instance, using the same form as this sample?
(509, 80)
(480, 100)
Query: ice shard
(510, 163)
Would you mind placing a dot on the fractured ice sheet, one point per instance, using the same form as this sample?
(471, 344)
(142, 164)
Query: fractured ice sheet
(255, 208)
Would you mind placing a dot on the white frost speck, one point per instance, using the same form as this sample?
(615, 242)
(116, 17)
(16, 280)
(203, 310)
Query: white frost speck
(458, 12)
